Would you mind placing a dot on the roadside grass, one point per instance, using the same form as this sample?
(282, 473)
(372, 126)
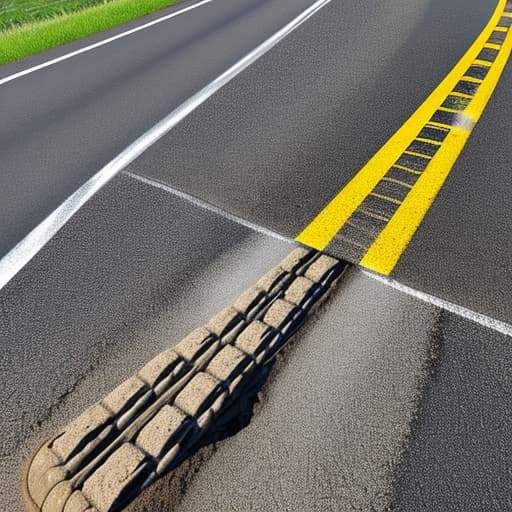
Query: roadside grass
(14, 13)
(57, 27)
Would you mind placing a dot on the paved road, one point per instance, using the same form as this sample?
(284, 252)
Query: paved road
(132, 274)
(68, 120)
(332, 439)
(139, 266)
(289, 133)
(281, 139)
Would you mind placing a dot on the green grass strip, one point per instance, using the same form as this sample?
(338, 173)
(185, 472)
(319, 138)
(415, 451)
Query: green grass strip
(38, 36)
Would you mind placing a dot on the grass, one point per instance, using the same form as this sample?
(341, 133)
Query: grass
(31, 26)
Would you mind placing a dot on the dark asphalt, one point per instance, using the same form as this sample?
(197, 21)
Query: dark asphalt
(462, 249)
(377, 389)
(405, 406)
(276, 144)
(65, 122)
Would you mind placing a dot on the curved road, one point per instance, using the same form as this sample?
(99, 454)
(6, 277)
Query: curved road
(411, 400)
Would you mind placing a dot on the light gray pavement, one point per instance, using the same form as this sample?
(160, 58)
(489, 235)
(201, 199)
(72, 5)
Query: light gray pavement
(336, 412)
(383, 403)
(459, 457)
(132, 274)
(138, 268)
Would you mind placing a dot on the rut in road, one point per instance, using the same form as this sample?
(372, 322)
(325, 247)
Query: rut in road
(190, 395)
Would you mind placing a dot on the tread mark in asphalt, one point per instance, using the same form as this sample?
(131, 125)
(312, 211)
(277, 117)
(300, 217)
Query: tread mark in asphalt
(156, 419)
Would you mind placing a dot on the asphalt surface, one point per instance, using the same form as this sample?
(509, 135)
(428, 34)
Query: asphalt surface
(286, 135)
(313, 447)
(462, 249)
(131, 275)
(138, 268)
(278, 142)
(68, 120)
(384, 400)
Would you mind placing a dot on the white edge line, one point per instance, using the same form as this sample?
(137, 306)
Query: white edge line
(29, 246)
(479, 318)
(210, 207)
(100, 43)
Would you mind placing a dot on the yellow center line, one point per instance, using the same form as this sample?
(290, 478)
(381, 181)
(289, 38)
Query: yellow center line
(406, 169)
(494, 46)
(386, 198)
(484, 63)
(414, 153)
(430, 141)
(461, 94)
(398, 182)
(439, 125)
(471, 79)
(451, 110)
(384, 253)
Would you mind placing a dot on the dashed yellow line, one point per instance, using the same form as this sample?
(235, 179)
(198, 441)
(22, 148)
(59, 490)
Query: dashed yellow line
(389, 245)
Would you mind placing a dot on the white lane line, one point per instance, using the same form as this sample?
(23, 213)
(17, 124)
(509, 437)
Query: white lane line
(210, 207)
(69, 55)
(469, 314)
(27, 248)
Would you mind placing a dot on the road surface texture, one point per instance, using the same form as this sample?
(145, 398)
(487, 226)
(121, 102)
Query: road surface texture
(384, 401)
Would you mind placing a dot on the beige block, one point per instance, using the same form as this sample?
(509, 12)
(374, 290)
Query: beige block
(77, 503)
(120, 396)
(320, 267)
(90, 420)
(271, 279)
(298, 290)
(157, 366)
(47, 482)
(108, 481)
(43, 460)
(250, 339)
(226, 362)
(223, 321)
(57, 497)
(278, 313)
(248, 300)
(295, 259)
(190, 346)
(196, 393)
(159, 430)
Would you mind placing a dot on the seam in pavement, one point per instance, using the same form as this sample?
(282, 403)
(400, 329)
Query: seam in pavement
(479, 318)
(29, 246)
(210, 207)
(431, 366)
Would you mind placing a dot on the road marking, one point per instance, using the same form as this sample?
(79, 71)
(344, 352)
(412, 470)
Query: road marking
(469, 314)
(69, 55)
(27, 248)
(208, 206)
(446, 129)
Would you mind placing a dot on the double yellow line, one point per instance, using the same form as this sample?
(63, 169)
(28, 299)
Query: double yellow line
(451, 112)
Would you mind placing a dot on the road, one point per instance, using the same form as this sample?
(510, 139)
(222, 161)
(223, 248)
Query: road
(404, 402)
